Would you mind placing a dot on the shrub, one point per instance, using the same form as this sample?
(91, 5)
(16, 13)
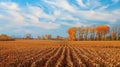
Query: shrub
(4, 37)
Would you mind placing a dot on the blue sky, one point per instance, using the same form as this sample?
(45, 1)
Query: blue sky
(39, 17)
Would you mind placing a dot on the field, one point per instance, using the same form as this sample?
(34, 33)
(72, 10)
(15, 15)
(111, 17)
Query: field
(48, 53)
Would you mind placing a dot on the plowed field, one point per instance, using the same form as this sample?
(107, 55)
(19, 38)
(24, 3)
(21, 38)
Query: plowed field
(38, 53)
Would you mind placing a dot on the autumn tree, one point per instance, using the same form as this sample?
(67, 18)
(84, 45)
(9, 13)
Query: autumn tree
(113, 35)
(72, 33)
(101, 32)
(98, 32)
(105, 31)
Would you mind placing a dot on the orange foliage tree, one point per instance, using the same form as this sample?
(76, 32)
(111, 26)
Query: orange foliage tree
(72, 33)
(113, 35)
(101, 31)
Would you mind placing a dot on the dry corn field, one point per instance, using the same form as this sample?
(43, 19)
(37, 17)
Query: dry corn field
(47, 53)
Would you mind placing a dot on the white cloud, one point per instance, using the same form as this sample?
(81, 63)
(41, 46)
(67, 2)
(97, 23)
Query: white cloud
(99, 16)
(91, 4)
(36, 13)
(48, 26)
(16, 16)
(22, 30)
(81, 3)
(19, 17)
(75, 24)
(61, 4)
(68, 17)
(9, 5)
(78, 24)
(1, 16)
(102, 8)
(116, 12)
(57, 12)
(115, 1)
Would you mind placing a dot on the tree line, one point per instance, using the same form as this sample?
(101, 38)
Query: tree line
(5, 37)
(101, 32)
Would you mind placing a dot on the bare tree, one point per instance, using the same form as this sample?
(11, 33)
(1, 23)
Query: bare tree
(28, 36)
(116, 31)
(92, 32)
(81, 32)
(86, 33)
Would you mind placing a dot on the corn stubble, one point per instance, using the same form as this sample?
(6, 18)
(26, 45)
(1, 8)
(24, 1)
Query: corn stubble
(60, 54)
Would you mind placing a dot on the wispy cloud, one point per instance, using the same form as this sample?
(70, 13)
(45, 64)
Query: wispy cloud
(100, 15)
(24, 17)
(81, 3)
(115, 1)
(1, 16)
(62, 4)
